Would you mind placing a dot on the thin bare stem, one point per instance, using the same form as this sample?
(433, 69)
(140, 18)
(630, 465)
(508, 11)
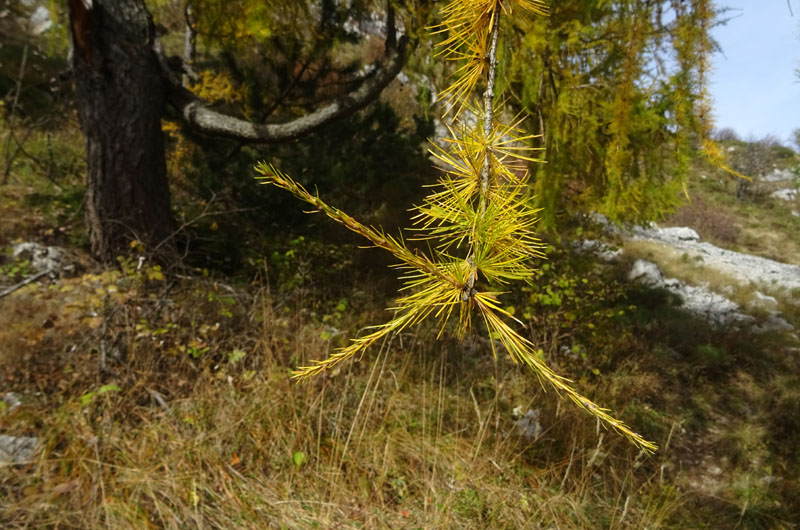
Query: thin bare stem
(488, 106)
(488, 117)
(17, 91)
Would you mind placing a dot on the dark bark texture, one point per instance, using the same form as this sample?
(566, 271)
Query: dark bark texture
(120, 101)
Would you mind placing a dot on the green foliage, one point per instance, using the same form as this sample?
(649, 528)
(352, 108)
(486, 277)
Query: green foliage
(14, 269)
(384, 163)
(89, 396)
(619, 134)
(712, 356)
(384, 166)
(469, 505)
(236, 355)
(298, 459)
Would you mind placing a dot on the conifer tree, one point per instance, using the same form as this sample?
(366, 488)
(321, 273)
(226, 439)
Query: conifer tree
(618, 91)
(478, 221)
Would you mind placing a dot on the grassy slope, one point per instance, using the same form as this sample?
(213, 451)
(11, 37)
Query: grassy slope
(417, 435)
(760, 225)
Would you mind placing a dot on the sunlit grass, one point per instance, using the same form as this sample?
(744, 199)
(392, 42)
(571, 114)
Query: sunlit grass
(421, 435)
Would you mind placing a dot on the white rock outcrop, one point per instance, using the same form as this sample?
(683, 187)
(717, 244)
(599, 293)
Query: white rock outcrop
(777, 175)
(745, 268)
(785, 194)
(41, 258)
(698, 300)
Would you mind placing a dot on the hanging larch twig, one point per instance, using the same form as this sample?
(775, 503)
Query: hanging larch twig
(480, 210)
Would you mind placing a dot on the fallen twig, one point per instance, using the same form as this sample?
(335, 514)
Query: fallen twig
(23, 283)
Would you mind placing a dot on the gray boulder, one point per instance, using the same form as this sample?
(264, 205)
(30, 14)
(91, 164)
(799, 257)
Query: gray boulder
(41, 258)
(17, 449)
(646, 272)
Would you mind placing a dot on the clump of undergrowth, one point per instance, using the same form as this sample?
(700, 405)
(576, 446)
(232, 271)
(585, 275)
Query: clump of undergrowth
(710, 222)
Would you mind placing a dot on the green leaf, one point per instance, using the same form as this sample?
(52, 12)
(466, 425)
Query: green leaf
(299, 458)
(87, 398)
(108, 388)
(235, 356)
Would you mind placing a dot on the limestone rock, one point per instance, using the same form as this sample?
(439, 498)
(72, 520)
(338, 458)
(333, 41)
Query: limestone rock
(698, 300)
(777, 175)
(785, 194)
(12, 401)
(41, 258)
(17, 449)
(602, 250)
(745, 268)
(646, 272)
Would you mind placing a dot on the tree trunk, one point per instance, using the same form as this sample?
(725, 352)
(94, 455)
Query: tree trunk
(120, 101)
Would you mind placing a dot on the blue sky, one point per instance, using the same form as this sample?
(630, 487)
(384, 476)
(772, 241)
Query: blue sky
(754, 86)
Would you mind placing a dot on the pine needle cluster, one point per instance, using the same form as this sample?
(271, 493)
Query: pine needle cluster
(478, 221)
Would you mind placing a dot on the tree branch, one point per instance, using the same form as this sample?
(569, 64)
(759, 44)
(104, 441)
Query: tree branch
(488, 107)
(23, 283)
(198, 114)
(189, 44)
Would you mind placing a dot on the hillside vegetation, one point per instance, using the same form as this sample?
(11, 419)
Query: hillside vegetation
(159, 394)
(163, 398)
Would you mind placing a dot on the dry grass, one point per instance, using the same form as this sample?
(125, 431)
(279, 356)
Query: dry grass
(414, 436)
(419, 434)
(764, 226)
(711, 223)
(770, 241)
(676, 264)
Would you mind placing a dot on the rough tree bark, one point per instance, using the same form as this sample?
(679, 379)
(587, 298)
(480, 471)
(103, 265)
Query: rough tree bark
(120, 101)
(123, 84)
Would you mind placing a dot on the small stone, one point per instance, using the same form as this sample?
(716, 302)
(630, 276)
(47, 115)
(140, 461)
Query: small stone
(680, 233)
(646, 272)
(785, 194)
(41, 258)
(528, 425)
(768, 303)
(602, 250)
(12, 400)
(17, 449)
